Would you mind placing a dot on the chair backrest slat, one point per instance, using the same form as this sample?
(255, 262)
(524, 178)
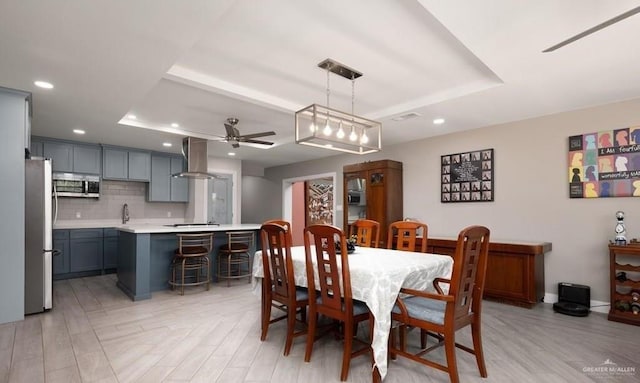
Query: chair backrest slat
(240, 237)
(188, 243)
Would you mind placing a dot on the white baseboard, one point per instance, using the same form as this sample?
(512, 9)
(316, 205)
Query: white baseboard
(596, 306)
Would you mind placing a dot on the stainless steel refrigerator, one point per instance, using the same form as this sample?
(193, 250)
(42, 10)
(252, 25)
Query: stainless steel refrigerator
(38, 236)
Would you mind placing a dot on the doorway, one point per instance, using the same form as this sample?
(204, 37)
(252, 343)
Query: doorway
(295, 201)
(220, 200)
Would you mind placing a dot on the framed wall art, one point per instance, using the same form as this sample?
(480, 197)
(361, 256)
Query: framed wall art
(319, 195)
(605, 164)
(467, 177)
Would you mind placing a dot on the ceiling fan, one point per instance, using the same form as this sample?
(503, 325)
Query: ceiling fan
(594, 29)
(235, 138)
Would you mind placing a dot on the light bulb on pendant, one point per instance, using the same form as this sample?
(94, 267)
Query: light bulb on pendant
(312, 127)
(353, 136)
(340, 133)
(327, 129)
(364, 139)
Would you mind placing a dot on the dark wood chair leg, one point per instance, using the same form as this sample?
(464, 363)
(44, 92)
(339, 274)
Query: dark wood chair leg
(450, 351)
(291, 323)
(346, 353)
(477, 348)
(311, 334)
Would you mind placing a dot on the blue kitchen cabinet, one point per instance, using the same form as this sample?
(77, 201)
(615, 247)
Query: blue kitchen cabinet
(110, 250)
(125, 164)
(61, 154)
(163, 187)
(68, 156)
(115, 164)
(61, 261)
(87, 159)
(36, 148)
(139, 166)
(179, 185)
(86, 249)
(160, 184)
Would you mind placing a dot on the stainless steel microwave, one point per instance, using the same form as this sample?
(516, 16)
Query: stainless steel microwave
(76, 185)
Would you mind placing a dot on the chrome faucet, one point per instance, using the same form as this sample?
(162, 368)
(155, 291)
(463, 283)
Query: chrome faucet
(125, 213)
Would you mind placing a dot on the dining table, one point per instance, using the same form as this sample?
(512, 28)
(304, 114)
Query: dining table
(376, 278)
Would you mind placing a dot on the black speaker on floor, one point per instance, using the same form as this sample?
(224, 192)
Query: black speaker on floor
(573, 299)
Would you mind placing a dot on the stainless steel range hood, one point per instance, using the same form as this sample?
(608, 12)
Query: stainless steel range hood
(194, 151)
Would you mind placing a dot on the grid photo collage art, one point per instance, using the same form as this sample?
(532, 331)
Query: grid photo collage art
(605, 164)
(467, 177)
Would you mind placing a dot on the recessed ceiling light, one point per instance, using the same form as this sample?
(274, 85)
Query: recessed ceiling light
(438, 121)
(78, 131)
(167, 144)
(43, 84)
(132, 117)
(175, 125)
(231, 153)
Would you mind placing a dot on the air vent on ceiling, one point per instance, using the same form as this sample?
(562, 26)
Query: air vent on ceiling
(407, 116)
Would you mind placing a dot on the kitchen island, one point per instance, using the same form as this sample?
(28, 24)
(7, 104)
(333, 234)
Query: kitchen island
(145, 253)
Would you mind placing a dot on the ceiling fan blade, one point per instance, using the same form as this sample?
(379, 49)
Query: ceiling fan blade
(593, 29)
(256, 142)
(256, 135)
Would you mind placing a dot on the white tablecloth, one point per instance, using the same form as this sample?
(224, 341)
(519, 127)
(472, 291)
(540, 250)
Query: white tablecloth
(376, 278)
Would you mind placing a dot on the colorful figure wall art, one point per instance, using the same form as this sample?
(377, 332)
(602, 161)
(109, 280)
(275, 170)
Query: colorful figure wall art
(605, 164)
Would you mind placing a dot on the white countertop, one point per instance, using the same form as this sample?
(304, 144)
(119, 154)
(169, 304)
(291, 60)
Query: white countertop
(154, 229)
(149, 226)
(115, 223)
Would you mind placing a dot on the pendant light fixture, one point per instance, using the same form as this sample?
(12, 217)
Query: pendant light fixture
(323, 127)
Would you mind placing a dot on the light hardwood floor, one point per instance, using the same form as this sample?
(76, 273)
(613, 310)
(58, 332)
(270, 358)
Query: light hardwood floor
(96, 334)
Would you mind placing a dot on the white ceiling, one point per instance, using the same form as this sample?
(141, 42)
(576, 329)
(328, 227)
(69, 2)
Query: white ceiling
(199, 62)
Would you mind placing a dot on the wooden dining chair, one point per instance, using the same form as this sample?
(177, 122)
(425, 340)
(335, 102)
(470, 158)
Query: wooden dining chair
(367, 232)
(442, 314)
(283, 223)
(406, 234)
(278, 287)
(325, 298)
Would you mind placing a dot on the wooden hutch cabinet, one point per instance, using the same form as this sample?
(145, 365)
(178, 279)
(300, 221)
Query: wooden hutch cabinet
(373, 190)
(624, 269)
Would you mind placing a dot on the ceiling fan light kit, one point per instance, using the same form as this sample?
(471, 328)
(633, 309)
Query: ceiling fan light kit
(327, 128)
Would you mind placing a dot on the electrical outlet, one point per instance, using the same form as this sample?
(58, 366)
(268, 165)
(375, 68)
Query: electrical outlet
(168, 214)
(78, 214)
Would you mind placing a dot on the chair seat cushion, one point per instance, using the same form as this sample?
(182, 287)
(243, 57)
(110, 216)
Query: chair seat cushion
(234, 247)
(301, 293)
(429, 310)
(359, 307)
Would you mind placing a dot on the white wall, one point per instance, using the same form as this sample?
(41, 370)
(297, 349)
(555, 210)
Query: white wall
(12, 144)
(531, 190)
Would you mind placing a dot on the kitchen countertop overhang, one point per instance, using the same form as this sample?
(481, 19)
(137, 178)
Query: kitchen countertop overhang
(155, 229)
(149, 226)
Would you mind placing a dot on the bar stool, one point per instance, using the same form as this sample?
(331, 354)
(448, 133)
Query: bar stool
(234, 257)
(190, 264)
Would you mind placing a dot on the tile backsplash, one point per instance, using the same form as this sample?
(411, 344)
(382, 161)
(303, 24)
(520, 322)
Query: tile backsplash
(113, 196)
